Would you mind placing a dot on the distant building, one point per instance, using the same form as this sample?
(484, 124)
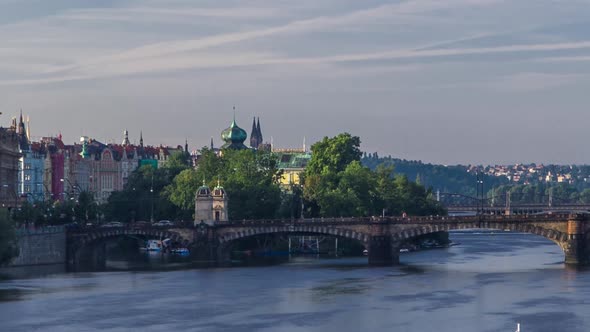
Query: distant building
(9, 159)
(30, 165)
(102, 168)
(292, 162)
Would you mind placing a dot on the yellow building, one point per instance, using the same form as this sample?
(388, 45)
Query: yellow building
(292, 162)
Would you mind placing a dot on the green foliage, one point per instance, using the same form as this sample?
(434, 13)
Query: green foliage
(344, 187)
(144, 193)
(561, 193)
(449, 179)
(86, 207)
(332, 155)
(177, 162)
(8, 246)
(250, 179)
(182, 190)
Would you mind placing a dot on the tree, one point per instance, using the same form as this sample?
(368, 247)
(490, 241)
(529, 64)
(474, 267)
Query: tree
(8, 246)
(250, 179)
(143, 196)
(332, 155)
(337, 184)
(86, 207)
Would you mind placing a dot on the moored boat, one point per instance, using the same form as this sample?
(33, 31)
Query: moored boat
(152, 245)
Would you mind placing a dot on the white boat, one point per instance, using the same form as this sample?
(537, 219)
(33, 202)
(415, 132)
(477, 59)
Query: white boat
(152, 245)
(517, 327)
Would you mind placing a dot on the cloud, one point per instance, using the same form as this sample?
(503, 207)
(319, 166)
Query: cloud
(582, 58)
(304, 25)
(154, 64)
(531, 81)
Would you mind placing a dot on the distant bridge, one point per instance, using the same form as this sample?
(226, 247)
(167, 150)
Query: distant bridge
(381, 236)
(503, 205)
(520, 209)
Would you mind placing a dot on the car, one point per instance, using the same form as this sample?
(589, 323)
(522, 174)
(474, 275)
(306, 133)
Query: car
(112, 224)
(141, 223)
(164, 223)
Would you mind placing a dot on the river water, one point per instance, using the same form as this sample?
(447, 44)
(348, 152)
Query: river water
(489, 282)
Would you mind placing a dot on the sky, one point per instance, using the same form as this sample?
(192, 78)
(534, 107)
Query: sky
(450, 82)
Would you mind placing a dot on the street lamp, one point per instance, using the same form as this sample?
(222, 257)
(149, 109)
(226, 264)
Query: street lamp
(479, 195)
(152, 199)
(72, 186)
(15, 197)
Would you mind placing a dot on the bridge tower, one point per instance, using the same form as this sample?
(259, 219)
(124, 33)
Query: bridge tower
(211, 206)
(204, 205)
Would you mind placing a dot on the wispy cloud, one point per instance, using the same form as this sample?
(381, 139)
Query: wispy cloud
(529, 82)
(168, 48)
(153, 64)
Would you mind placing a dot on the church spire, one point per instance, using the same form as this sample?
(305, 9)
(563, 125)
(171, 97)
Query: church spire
(28, 129)
(23, 138)
(254, 141)
(141, 139)
(126, 138)
(259, 132)
(21, 125)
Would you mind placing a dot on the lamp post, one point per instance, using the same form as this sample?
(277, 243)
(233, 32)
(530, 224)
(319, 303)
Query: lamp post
(479, 190)
(15, 197)
(72, 186)
(47, 192)
(152, 199)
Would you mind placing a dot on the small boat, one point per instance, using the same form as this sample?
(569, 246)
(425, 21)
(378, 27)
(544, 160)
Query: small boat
(366, 252)
(517, 327)
(152, 245)
(404, 250)
(180, 251)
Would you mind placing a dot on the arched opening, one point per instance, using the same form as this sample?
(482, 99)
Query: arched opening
(281, 246)
(126, 251)
(499, 247)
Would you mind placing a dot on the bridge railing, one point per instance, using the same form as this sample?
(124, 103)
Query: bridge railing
(401, 220)
(350, 220)
(39, 230)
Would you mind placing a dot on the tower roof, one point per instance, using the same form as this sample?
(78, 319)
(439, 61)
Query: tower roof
(204, 190)
(234, 137)
(218, 191)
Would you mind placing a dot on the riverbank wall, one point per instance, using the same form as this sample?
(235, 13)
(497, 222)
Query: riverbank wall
(40, 246)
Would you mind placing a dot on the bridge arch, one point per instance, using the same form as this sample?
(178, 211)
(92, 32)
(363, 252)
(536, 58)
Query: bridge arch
(102, 234)
(226, 237)
(551, 234)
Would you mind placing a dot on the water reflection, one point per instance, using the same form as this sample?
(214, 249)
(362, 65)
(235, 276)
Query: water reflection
(488, 283)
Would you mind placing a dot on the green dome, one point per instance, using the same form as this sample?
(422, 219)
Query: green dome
(234, 137)
(203, 190)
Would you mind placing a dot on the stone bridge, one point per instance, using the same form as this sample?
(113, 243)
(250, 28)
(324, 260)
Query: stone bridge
(381, 236)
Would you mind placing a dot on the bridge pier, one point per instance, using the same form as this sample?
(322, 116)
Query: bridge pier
(575, 246)
(383, 251)
(91, 257)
